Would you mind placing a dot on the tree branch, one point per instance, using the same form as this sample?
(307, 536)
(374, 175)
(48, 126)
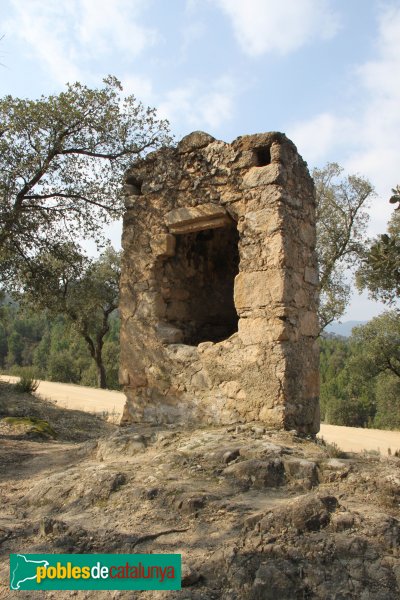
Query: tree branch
(391, 367)
(110, 156)
(64, 195)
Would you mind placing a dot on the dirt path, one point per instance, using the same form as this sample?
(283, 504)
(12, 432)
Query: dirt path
(78, 397)
(107, 401)
(357, 439)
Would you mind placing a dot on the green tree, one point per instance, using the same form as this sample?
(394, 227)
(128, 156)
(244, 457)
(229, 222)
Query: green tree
(360, 376)
(3, 345)
(387, 402)
(395, 198)
(380, 268)
(62, 160)
(85, 291)
(347, 397)
(378, 345)
(111, 361)
(61, 362)
(341, 227)
(41, 354)
(15, 349)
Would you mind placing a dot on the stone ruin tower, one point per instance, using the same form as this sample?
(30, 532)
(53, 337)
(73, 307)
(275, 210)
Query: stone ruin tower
(220, 285)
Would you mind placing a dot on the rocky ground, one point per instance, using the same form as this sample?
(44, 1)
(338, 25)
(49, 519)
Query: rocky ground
(256, 514)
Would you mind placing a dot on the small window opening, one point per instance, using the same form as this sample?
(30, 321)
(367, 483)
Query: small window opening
(135, 183)
(263, 156)
(201, 283)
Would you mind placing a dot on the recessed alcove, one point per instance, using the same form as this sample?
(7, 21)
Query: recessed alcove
(135, 183)
(199, 283)
(263, 156)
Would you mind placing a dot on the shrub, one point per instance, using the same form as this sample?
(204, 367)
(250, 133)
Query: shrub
(388, 402)
(331, 448)
(26, 385)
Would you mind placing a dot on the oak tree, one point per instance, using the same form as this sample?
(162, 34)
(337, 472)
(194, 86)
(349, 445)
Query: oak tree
(85, 291)
(379, 271)
(341, 227)
(62, 159)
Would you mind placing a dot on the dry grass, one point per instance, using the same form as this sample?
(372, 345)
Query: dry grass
(67, 425)
(332, 450)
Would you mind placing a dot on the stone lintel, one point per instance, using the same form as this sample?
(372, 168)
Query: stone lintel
(180, 217)
(201, 225)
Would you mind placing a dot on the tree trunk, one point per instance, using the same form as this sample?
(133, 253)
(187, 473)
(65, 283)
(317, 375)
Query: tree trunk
(101, 373)
(96, 352)
(96, 347)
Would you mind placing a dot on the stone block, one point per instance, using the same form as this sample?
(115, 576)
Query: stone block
(311, 275)
(169, 334)
(258, 289)
(260, 330)
(257, 473)
(301, 469)
(123, 377)
(309, 325)
(308, 234)
(261, 176)
(262, 221)
(194, 141)
(163, 245)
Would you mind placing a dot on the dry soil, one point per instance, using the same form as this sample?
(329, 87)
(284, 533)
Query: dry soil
(111, 404)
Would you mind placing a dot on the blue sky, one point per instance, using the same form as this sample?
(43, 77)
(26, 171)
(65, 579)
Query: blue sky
(326, 72)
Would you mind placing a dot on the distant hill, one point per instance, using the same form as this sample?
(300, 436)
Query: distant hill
(343, 329)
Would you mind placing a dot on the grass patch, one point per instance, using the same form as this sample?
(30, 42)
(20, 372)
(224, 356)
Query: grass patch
(70, 425)
(26, 385)
(31, 425)
(332, 449)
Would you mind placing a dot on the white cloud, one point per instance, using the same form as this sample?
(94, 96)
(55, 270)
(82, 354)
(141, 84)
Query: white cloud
(318, 136)
(140, 87)
(379, 125)
(263, 26)
(66, 34)
(106, 25)
(42, 26)
(369, 139)
(200, 104)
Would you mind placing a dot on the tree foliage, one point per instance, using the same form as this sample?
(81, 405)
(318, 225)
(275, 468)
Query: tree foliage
(360, 376)
(62, 160)
(380, 268)
(378, 345)
(341, 226)
(53, 350)
(387, 402)
(346, 397)
(84, 291)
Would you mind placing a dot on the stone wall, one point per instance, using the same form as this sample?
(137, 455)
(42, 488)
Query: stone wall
(219, 285)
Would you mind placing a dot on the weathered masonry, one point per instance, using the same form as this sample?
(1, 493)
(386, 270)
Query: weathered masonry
(220, 285)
